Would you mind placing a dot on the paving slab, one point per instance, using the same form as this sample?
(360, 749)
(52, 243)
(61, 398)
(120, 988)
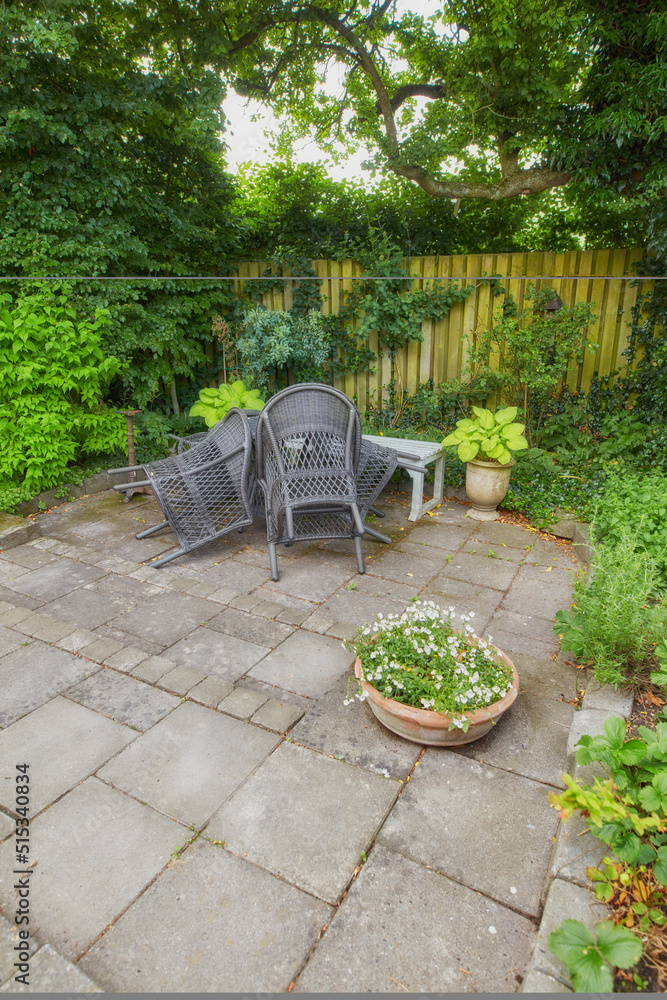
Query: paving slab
(123, 698)
(606, 698)
(409, 569)
(543, 592)
(565, 901)
(526, 624)
(124, 588)
(55, 579)
(305, 663)
(6, 827)
(126, 658)
(152, 669)
(404, 928)
(82, 845)
(147, 646)
(378, 586)
(242, 703)
(211, 923)
(352, 733)
(237, 575)
(9, 640)
(165, 617)
(576, 850)
(314, 577)
(109, 529)
(530, 739)
(278, 716)
(211, 691)
(190, 762)
(495, 550)
(511, 534)
(487, 828)
(33, 674)
(306, 818)
(447, 538)
(76, 640)
(217, 653)
(546, 553)
(11, 615)
(481, 570)
(10, 571)
(358, 608)
(180, 679)
(85, 608)
(63, 743)
(548, 677)
(51, 973)
(252, 627)
(512, 642)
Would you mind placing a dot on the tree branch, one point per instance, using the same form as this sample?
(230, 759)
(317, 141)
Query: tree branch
(436, 91)
(521, 182)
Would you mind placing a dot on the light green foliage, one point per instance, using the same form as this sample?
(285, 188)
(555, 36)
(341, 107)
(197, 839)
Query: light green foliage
(491, 437)
(635, 505)
(532, 351)
(627, 810)
(53, 374)
(617, 620)
(588, 957)
(214, 404)
(275, 340)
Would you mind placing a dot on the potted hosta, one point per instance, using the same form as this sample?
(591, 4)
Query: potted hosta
(429, 681)
(486, 444)
(214, 404)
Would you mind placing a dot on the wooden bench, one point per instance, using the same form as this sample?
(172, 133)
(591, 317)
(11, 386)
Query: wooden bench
(416, 456)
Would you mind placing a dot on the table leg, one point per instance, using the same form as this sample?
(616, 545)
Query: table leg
(417, 494)
(439, 483)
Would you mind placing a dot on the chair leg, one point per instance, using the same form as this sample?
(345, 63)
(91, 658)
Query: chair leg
(273, 562)
(378, 513)
(167, 558)
(356, 519)
(360, 554)
(153, 530)
(377, 534)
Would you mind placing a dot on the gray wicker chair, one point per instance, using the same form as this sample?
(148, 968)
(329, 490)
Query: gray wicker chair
(204, 491)
(307, 448)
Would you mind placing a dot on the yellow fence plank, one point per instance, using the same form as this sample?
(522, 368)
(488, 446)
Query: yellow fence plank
(444, 350)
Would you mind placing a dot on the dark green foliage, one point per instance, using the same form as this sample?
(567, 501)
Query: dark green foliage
(110, 164)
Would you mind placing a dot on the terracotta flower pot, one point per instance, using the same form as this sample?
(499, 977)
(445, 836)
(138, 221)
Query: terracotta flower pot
(421, 725)
(486, 486)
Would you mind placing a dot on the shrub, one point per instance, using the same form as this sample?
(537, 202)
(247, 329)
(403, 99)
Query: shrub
(636, 505)
(52, 376)
(617, 620)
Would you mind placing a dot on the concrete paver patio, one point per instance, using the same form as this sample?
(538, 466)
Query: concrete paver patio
(207, 815)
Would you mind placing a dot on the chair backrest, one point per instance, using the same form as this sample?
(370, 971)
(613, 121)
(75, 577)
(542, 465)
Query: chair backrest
(309, 426)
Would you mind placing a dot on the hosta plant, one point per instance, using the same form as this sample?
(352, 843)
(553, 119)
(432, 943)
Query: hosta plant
(214, 404)
(421, 659)
(491, 437)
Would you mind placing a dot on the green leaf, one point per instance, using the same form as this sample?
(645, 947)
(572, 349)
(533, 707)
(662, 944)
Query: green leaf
(516, 444)
(486, 420)
(571, 937)
(632, 752)
(618, 944)
(467, 451)
(614, 729)
(507, 415)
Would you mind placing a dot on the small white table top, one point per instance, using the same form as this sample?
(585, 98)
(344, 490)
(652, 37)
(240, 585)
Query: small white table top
(408, 447)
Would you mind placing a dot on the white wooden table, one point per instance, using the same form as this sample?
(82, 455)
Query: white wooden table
(417, 453)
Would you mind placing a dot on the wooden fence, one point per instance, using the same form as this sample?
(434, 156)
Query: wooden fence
(601, 277)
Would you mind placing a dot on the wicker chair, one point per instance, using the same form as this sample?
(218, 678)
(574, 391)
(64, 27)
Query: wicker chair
(308, 448)
(203, 492)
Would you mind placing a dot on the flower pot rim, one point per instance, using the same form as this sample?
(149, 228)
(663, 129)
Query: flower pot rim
(492, 465)
(426, 717)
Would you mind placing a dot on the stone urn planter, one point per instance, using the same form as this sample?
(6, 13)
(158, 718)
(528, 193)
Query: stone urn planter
(486, 485)
(421, 725)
